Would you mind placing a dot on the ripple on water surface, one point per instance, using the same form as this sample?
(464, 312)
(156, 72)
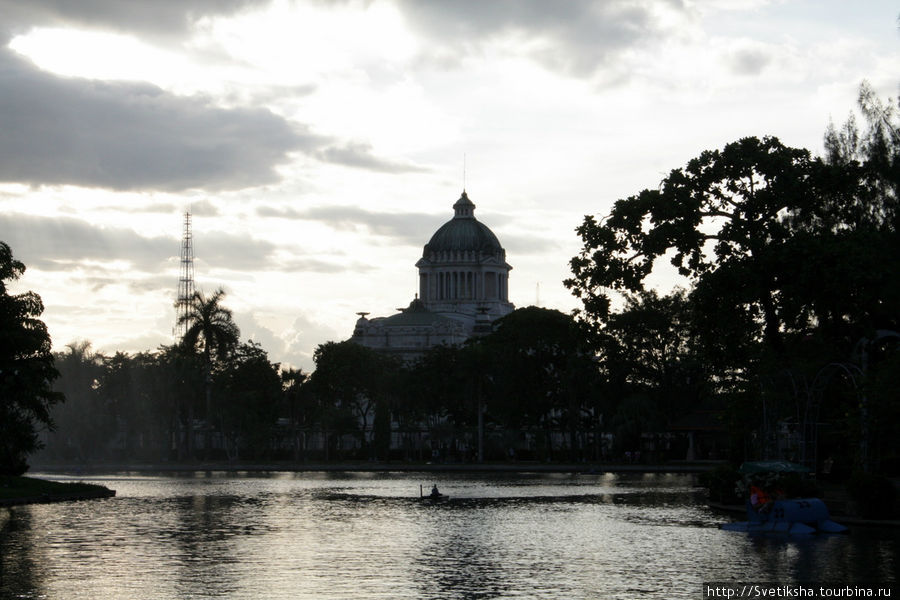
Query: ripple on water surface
(254, 536)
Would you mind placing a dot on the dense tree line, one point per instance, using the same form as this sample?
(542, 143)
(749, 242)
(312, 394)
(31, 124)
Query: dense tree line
(534, 389)
(177, 403)
(535, 375)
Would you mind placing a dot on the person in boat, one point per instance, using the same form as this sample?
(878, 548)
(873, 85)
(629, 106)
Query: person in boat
(434, 491)
(760, 500)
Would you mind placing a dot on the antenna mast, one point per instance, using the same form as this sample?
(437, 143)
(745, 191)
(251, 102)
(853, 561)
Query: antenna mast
(464, 171)
(186, 281)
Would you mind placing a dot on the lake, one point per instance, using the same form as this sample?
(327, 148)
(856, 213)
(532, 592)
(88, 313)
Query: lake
(367, 535)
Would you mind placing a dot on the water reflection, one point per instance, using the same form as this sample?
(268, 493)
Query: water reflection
(17, 564)
(287, 535)
(866, 556)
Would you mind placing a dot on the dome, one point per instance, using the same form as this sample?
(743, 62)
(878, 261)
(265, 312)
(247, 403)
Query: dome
(463, 232)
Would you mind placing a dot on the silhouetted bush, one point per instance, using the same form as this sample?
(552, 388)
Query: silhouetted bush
(722, 483)
(875, 496)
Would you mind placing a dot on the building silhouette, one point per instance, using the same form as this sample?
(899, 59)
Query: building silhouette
(463, 288)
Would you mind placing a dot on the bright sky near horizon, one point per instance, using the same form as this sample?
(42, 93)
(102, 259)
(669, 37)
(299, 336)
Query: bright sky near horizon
(319, 144)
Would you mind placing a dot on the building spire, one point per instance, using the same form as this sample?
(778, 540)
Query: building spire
(464, 208)
(464, 173)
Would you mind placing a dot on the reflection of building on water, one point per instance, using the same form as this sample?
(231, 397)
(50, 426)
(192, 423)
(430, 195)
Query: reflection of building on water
(463, 288)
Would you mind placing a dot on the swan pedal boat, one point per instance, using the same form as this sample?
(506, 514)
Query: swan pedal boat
(797, 516)
(793, 516)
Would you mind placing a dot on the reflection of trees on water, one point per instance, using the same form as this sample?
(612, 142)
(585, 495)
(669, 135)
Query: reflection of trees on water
(462, 563)
(207, 534)
(865, 555)
(355, 536)
(20, 557)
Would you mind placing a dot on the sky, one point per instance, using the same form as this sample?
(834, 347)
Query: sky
(318, 144)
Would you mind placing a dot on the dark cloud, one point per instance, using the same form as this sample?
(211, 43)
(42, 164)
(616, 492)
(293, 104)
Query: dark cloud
(133, 136)
(58, 244)
(65, 244)
(130, 136)
(165, 208)
(203, 208)
(413, 229)
(315, 265)
(62, 243)
(155, 283)
(578, 37)
(160, 18)
(360, 155)
(748, 61)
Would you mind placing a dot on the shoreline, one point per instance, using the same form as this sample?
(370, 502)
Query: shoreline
(370, 466)
(17, 491)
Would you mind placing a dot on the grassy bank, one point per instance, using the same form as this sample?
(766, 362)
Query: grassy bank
(29, 490)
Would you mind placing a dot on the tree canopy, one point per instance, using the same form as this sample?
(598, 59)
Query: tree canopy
(721, 219)
(210, 325)
(26, 370)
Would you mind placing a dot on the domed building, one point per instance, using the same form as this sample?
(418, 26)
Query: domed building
(463, 288)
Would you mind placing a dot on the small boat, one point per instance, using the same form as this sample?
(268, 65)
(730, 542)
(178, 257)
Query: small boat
(434, 496)
(792, 516)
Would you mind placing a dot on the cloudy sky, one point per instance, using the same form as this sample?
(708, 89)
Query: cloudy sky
(319, 144)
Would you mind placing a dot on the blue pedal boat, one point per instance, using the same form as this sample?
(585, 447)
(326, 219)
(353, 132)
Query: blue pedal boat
(792, 516)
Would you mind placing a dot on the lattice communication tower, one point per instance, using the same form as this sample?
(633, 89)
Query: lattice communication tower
(186, 281)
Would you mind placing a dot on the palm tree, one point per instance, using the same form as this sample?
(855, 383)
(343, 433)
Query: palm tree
(210, 326)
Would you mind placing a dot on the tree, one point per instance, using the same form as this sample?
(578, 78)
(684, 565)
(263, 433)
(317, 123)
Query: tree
(542, 371)
(654, 365)
(864, 279)
(210, 327)
(778, 248)
(354, 378)
(719, 218)
(182, 385)
(877, 147)
(438, 386)
(653, 342)
(299, 414)
(84, 425)
(250, 391)
(134, 391)
(26, 370)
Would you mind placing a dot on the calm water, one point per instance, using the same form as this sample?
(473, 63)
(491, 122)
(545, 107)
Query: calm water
(356, 535)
